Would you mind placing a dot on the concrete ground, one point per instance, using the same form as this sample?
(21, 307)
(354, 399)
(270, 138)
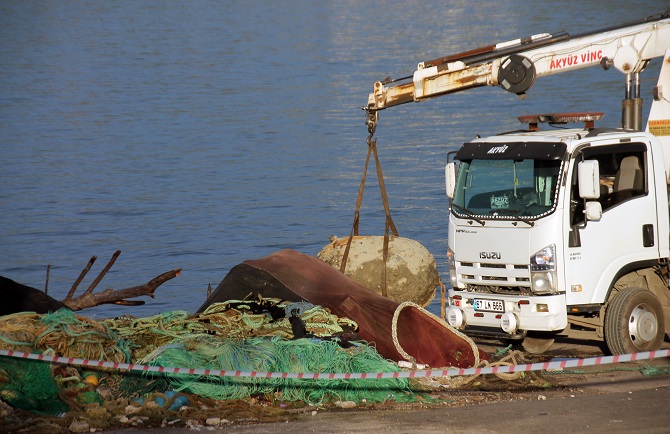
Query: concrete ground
(637, 411)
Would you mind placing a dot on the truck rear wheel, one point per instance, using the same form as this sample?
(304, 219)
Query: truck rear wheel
(634, 322)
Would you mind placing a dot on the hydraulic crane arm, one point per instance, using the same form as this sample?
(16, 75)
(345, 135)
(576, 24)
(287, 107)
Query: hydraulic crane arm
(514, 65)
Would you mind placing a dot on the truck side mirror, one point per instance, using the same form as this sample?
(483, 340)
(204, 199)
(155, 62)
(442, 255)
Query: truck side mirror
(588, 174)
(450, 179)
(593, 211)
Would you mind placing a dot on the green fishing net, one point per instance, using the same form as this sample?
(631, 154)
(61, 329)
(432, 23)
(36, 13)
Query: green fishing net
(283, 355)
(29, 385)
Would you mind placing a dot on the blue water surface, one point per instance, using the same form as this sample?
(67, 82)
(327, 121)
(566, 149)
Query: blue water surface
(200, 134)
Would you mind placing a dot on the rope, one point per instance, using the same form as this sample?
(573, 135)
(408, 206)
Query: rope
(394, 331)
(451, 372)
(62, 333)
(371, 122)
(509, 360)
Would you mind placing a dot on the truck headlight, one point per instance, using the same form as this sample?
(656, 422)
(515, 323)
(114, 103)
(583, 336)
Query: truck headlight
(543, 271)
(452, 268)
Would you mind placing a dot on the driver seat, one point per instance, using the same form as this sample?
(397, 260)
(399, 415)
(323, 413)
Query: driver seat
(629, 175)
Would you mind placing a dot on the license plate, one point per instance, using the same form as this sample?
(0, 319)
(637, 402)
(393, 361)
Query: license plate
(489, 305)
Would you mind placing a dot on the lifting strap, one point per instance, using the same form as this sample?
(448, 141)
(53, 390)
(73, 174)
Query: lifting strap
(371, 122)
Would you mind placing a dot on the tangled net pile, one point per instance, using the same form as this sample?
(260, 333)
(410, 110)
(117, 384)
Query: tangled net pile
(231, 319)
(62, 334)
(234, 335)
(32, 385)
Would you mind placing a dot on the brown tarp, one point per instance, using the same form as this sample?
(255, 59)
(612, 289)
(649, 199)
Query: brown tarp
(293, 276)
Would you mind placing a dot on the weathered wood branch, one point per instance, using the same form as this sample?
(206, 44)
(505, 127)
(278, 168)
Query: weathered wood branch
(81, 277)
(90, 299)
(103, 272)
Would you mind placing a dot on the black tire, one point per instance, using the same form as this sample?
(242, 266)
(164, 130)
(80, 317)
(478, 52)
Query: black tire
(538, 342)
(634, 322)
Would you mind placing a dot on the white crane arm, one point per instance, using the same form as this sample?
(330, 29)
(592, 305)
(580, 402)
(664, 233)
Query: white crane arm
(514, 65)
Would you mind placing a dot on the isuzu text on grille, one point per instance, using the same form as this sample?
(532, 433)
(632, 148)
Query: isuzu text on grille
(490, 255)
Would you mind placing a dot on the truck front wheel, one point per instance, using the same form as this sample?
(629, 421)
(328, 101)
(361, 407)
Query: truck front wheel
(634, 322)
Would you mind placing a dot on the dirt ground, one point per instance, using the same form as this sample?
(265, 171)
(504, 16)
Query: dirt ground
(252, 414)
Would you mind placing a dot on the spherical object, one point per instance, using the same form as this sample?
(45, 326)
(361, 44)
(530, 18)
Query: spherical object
(411, 273)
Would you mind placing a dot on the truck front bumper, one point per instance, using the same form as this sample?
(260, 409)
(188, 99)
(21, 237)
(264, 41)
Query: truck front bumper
(509, 314)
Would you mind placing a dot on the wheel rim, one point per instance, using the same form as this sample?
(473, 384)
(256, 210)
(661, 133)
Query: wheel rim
(642, 325)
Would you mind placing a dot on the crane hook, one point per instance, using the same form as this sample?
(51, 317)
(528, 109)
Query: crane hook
(371, 120)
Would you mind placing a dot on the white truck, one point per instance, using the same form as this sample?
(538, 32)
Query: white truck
(561, 230)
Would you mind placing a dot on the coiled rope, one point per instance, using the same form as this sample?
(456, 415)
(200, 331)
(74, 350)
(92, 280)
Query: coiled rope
(509, 360)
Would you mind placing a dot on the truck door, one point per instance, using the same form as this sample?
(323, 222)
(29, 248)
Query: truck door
(627, 232)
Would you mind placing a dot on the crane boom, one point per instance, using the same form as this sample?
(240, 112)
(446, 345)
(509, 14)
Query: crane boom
(514, 65)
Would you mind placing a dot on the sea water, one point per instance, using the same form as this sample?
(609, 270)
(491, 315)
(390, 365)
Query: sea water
(200, 134)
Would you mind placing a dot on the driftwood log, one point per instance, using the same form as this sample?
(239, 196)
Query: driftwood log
(21, 298)
(114, 296)
(119, 296)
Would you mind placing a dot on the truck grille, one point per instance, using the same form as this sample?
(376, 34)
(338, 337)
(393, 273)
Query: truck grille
(486, 273)
(492, 265)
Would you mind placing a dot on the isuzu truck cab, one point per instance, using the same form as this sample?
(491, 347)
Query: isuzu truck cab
(564, 227)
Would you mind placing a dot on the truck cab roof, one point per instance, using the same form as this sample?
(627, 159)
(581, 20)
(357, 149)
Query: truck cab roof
(550, 144)
(565, 135)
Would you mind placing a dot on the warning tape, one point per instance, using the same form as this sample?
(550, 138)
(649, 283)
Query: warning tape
(454, 372)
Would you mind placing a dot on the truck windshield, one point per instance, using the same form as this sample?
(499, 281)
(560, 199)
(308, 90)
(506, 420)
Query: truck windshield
(506, 189)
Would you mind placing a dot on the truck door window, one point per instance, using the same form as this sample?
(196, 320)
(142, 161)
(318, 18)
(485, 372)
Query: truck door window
(622, 176)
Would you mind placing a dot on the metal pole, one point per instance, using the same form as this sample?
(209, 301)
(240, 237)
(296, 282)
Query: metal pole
(637, 106)
(627, 104)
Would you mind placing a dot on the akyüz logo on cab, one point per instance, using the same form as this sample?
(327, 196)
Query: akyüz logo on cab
(498, 149)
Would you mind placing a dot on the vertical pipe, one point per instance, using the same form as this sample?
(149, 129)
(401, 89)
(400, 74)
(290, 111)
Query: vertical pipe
(627, 104)
(637, 107)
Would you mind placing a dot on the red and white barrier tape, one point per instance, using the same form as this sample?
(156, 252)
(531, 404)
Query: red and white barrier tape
(569, 363)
